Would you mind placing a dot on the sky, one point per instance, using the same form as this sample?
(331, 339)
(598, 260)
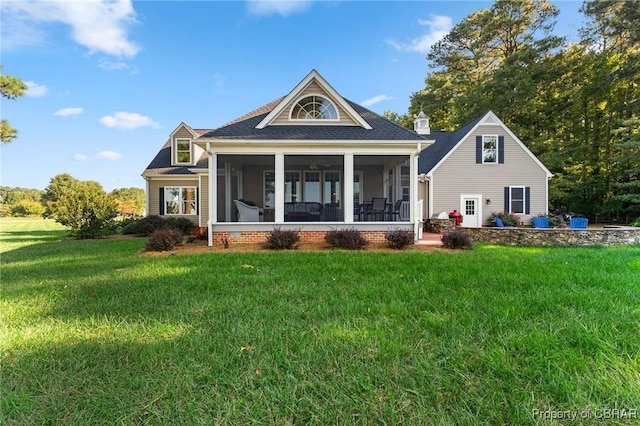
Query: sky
(109, 80)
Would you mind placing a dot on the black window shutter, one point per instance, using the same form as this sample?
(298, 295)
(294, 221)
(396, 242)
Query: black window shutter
(197, 200)
(507, 201)
(527, 200)
(501, 149)
(479, 149)
(161, 208)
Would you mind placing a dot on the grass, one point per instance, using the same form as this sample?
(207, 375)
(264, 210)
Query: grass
(94, 333)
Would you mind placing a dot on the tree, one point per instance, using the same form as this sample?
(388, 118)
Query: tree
(83, 206)
(10, 87)
(130, 202)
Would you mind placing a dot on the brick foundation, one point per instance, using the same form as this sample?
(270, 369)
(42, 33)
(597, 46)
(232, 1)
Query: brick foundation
(252, 237)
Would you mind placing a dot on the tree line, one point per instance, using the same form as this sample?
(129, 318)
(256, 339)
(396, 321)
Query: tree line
(83, 206)
(575, 105)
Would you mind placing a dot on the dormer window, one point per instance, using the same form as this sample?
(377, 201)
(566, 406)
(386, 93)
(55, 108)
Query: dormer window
(314, 108)
(183, 151)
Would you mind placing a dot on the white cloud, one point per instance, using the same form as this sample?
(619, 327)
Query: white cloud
(438, 27)
(66, 112)
(127, 121)
(277, 7)
(99, 25)
(80, 157)
(375, 100)
(108, 155)
(35, 90)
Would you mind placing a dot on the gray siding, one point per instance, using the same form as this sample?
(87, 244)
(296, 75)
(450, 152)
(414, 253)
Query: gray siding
(459, 174)
(314, 88)
(154, 195)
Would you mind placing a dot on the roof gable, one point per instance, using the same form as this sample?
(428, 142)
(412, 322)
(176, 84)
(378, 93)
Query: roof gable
(313, 85)
(447, 142)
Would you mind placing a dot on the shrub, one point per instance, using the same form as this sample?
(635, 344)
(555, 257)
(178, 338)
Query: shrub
(279, 239)
(181, 223)
(457, 240)
(350, 239)
(164, 239)
(25, 208)
(399, 238)
(636, 222)
(509, 219)
(147, 225)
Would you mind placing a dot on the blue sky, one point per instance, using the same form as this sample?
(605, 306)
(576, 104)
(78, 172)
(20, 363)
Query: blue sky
(110, 80)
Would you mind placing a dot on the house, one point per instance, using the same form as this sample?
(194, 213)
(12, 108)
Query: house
(314, 161)
(311, 160)
(479, 169)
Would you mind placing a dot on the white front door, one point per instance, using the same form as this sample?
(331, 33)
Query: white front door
(471, 210)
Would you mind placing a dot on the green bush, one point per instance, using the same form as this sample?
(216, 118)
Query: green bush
(457, 240)
(164, 239)
(279, 239)
(508, 219)
(350, 239)
(26, 208)
(399, 238)
(146, 225)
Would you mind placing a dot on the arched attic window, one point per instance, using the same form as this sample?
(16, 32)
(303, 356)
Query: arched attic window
(314, 107)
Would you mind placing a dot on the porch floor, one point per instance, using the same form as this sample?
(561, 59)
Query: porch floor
(430, 239)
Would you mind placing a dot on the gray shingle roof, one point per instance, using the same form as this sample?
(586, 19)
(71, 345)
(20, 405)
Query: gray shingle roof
(161, 164)
(444, 143)
(244, 128)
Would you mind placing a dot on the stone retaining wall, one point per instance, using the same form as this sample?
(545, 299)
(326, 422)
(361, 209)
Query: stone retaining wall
(556, 237)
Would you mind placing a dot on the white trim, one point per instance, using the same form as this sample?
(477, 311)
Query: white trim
(314, 120)
(462, 210)
(491, 119)
(497, 148)
(174, 152)
(297, 91)
(524, 199)
(349, 173)
(186, 126)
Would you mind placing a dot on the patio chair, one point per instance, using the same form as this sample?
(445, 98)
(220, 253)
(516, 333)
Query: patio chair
(540, 222)
(578, 222)
(378, 208)
(247, 213)
(394, 211)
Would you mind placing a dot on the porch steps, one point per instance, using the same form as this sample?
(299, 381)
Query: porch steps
(429, 239)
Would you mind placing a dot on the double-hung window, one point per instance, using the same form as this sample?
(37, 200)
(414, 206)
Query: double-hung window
(183, 151)
(489, 149)
(180, 200)
(517, 199)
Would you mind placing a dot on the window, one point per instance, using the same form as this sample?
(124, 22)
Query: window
(183, 151)
(269, 190)
(292, 187)
(489, 148)
(517, 200)
(312, 186)
(180, 200)
(332, 187)
(314, 108)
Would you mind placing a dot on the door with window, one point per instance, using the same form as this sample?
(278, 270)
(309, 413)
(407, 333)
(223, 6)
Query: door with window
(470, 208)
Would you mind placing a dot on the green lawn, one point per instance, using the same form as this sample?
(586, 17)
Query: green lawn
(95, 333)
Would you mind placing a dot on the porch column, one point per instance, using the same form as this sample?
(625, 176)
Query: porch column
(279, 182)
(227, 192)
(413, 193)
(213, 184)
(348, 188)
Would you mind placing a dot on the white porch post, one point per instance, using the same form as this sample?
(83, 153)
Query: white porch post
(227, 192)
(213, 182)
(413, 191)
(279, 182)
(348, 188)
